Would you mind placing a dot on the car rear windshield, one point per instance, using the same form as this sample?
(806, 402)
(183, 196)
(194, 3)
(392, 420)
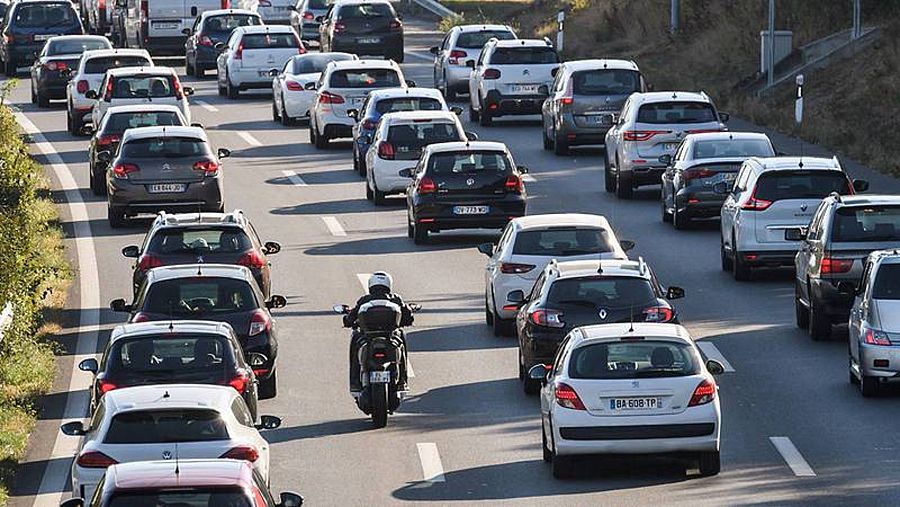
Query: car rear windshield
(887, 282)
(165, 426)
(738, 148)
(49, 16)
(563, 242)
(360, 11)
(197, 240)
(408, 104)
(312, 63)
(75, 46)
(634, 360)
(365, 78)
(524, 55)
(229, 22)
(181, 497)
(3, 8)
(606, 82)
(606, 291)
(197, 297)
(408, 140)
(776, 185)
(476, 40)
(172, 358)
(677, 112)
(135, 87)
(165, 147)
(101, 64)
(120, 122)
(270, 41)
(866, 223)
(317, 4)
(467, 162)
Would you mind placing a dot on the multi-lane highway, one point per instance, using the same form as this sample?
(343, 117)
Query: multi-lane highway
(794, 429)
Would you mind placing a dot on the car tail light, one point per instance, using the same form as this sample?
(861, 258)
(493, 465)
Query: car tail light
(330, 98)
(139, 317)
(565, 101)
(511, 268)
(339, 27)
(426, 186)
(658, 314)
(703, 394)
(755, 204)
(205, 41)
(546, 318)
(492, 74)
(456, 55)
(10, 38)
(242, 452)
(82, 86)
(225, 4)
(514, 184)
(208, 167)
(385, 151)
(176, 84)
(56, 66)
(308, 15)
(105, 386)
(94, 459)
(566, 397)
(369, 124)
(149, 261)
(144, 10)
(640, 135)
(875, 337)
(293, 86)
(301, 49)
(122, 171)
(396, 25)
(108, 139)
(239, 53)
(831, 265)
(107, 96)
(694, 173)
(259, 323)
(252, 259)
(240, 381)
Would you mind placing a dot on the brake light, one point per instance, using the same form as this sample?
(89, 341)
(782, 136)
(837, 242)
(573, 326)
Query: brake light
(308, 15)
(108, 139)
(455, 56)
(56, 66)
(176, 84)
(492, 74)
(566, 397)
(209, 167)
(546, 318)
(697, 172)
(369, 124)
(239, 52)
(658, 314)
(144, 10)
(511, 268)
(10, 38)
(396, 24)
(107, 96)
(339, 27)
(831, 265)
(754, 204)
(105, 386)
(514, 184)
(122, 171)
(876, 337)
(94, 459)
(703, 394)
(149, 261)
(565, 101)
(205, 41)
(385, 151)
(640, 135)
(426, 186)
(301, 49)
(242, 452)
(139, 317)
(252, 259)
(330, 98)
(240, 381)
(379, 355)
(293, 86)
(225, 4)
(82, 86)
(259, 323)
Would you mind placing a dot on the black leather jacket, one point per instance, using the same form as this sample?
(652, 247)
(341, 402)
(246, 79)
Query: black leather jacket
(406, 316)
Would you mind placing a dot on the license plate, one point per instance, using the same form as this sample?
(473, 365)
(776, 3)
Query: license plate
(166, 26)
(524, 88)
(41, 37)
(369, 40)
(166, 188)
(263, 73)
(470, 210)
(379, 377)
(598, 119)
(670, 146)
(634, 403)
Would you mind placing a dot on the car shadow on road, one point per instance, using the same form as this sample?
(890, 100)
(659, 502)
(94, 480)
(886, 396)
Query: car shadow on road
(469, 405)
(472, 336)
(396, 245)
(333, 177)
(339, 207)
(317, 430)
(29, 478)
(100, 227)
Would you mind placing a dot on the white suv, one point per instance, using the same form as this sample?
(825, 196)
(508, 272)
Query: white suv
(398, 143)
(139, 85)
(251, 54)
(769, 204)
(461, 44)
(511, 77)
(528, 244)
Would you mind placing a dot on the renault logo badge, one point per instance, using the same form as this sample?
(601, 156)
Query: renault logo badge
(803, 207)
(167, 455)
(470, 181)
(603, 314)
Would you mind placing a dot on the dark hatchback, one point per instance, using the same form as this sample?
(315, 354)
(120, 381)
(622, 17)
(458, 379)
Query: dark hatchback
(200, 51)
(27, 27)
(51, 71)
(463, 185)
(364, 28)
(219, 293)
(183, 352)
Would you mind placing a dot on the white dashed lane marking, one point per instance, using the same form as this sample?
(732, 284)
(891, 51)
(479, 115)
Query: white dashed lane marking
(206, 105)
(432, 469)
(528, 178)
(294, 178)
(334, 227)
(249, 139)
(792, 456)
(710, 350)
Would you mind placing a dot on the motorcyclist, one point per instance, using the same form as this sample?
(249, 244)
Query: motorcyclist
(379, 289)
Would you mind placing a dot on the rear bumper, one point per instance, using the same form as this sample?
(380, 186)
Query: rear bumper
(498, 105)
(54, 87)
(337, 130)
(642, 175)
(309, 31)
(246, 79)
(768, 258)
(542, 345)
(439, 216)
(165, 45)
(830, 301)
(388, 44)
(134, 198)
(868, 354)
(581, 134)
(458, 77)
(698, 204)
(206, 57)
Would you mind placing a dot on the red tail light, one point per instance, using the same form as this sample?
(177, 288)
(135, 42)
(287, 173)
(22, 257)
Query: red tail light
(301, 49)
(369, 124)
(379, 355)
(139, 317)
(385, 151)
(339, 27)
(831, 265)
(308, 15)
(94, 459)
(876, 337)
(82, 86)
(259, 323)
(396, 25)
(566, 397)
(10, 38)
(205, 41)
(149, 261)
(456, 55)
(176, 83)
(239, 53)
(703, 394)
(107, 96)
(511, 268)
(330, 98)
(640, 135)
(514, 184)
(56, 66)
(492, 74)
(208, 167)
(754, 204)
(105, 386)
(108, 139)
(252, 259)
(293, 86)
(225, 4)
(426, 186)
(240, 382)
(697, 172)
(242, 452)
(144, 10)
(546, 318)
(658, 314)
(566, 101)
(122, 171)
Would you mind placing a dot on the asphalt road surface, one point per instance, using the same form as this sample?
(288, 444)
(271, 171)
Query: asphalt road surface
(794, 429)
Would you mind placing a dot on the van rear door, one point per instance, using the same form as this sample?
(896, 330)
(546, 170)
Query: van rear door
(165, 18)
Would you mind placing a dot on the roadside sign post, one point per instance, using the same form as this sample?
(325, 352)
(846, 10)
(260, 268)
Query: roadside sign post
(798, 104)
(560, 21)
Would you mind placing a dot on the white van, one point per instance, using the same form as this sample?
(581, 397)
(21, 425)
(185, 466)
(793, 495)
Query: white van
(273, 12)
(158, 25)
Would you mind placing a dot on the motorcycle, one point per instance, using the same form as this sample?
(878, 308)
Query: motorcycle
(380, 354)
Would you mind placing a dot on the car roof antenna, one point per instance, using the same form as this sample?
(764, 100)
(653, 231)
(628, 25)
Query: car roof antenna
(631, 318)
(177, 470)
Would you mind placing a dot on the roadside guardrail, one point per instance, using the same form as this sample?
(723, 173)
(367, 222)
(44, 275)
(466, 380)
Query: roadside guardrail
(435, 7)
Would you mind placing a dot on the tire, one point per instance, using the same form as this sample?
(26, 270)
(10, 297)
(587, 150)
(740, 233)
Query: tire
(361, 165)
(488, 314)
(230, 90)
(449, 93)
(268, 388)
(275, 116)
(188, 68)
(529, 386)
(727, 264)
(43, 101)
(321, 139)
(286, 120)
(70, 125)
(9, 69)
(680, 220)
(709, 463)
(548, 145)
(199, 72)
(500, 326)
(486, 120)
(116, 217)
(666, 216)
(561, 466)
(312, 133)
(420, 234)
(868, 386)
(801, 313)
(221, 88)
(378, 198)
(410, 230)
(623, 186)
(560, 145)
(370, 195)
(33, 96)
(610, 180)
(379, 404)
(740, 268)
(819, 325)
(547, 453)
(98, 183)
(473, 114)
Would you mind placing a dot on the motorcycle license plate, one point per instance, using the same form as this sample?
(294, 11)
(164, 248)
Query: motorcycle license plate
(379, 377)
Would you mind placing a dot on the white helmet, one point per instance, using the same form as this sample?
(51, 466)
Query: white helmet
(380, 279)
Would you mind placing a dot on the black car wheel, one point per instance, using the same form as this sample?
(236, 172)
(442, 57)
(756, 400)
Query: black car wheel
(473, 114)
(547, 454)
(681, 220)
(561, 466)
(449, 92)
(727, 265)
(33, 95)
(98, 183)
(370, 195)
(739, 266)
(709, 463)
(378, 196)
(321, 139)
(312, 133)
(868, 386)
(230, 90)
(486, 119)
(488, 314)
(610, 180)
(116, 217)
(548, 145)
(286, 120)
(199, 72)
(560, 144)
(9, 69)
(420, 234)
(268, 387)
(801, 313)
(666, 216)
(529, 386)
(624, 189)
(819, 324)
(275, 116)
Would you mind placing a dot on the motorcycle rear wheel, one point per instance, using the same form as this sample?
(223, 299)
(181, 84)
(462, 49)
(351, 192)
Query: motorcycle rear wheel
(379, 404)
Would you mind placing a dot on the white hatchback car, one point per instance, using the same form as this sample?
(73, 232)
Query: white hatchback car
(151, 422)
(91, 69)
(397, 144)
(629, 389)
(251, 54)
(344, 86)
(294, 87)
(461, 44)
(528, 244)
(127, 86)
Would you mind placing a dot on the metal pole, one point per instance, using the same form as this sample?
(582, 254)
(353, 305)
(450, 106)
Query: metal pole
(560, 27)
(857, 20)
(771, 63)
(675, 15)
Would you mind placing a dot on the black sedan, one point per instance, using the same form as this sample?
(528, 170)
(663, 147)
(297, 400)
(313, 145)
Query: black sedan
(363, 28)
(54, 65)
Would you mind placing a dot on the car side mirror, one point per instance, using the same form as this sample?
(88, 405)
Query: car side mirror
(341, 309)
(794, 234)
(220, 46)
(73, 429)
(471, 136)
(674, 293)
(67, 72)
(292, 7)
(73, 502)
(90, 364)
(310, 86)
(410, 83)
(847, 288)
(87, 130)
(131, 251)
(320, 19)
(721, 188)
(434, 50)
(539, 372)
(516, 297)
(276, 302)
(665, 159)
(650, 87)
(366, 138)
(554, 71)
(272, 247)
(187, 31)
(91, 94)
(486, 249)
(860, 185)
(188, 90)
(456, 110)
(407, 173)
(626, 244)
(470, 64)
(724, 117)
(523, 169)
(353, 113)
(614, 118)
(198, 125)
(290, 499)
(104, 156)
(119, 305)
(223, 152)
(715, 367)
(268, 422)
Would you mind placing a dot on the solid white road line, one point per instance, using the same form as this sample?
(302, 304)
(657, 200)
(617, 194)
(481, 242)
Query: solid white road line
(56, 474)
(710, 350)
(294, 178)
(252, 141)
(430, 58)
(528, 178)
(206, 105)
(334, 227)
(792, 456)
(432, 469)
